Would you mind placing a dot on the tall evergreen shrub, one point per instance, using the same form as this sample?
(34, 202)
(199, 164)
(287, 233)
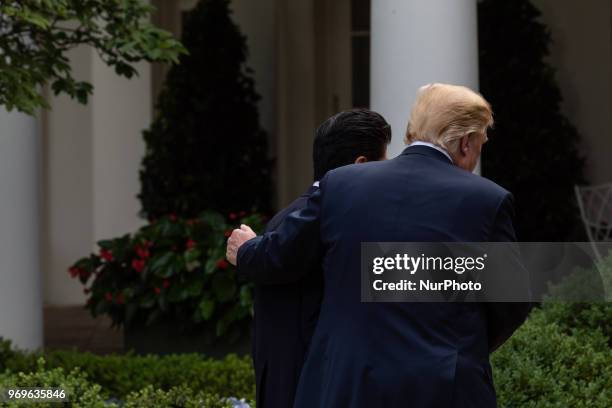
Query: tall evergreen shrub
(533, 150)
(206, 148)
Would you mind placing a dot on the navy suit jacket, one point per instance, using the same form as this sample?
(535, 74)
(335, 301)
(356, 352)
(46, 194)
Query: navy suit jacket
(391, 354)
(285, 318)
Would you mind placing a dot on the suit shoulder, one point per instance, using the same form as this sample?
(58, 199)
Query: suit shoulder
(296, 205)
(353, 171)
(485, 187)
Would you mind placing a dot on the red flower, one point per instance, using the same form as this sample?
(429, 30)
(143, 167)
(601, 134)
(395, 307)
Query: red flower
(74, 271)
(83, 273)
(172, 217)
(222, 264)
(120, 298)
(157, 291)
(190, 244)
(192, 222)
(166, 283)
(228, 233)
(142, 251)
(232, 216)
(108, 296)
(106, 254)
(138, 264)
(242, 213)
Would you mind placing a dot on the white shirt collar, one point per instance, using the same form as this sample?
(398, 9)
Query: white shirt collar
(315, 184)
(433, 146)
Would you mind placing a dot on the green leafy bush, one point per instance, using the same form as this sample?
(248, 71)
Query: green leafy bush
(175, 397)
(560, 357)
(81, 392)
(121, 374)
(172, 269)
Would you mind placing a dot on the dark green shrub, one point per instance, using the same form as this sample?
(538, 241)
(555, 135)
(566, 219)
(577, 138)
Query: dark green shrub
(206, 150)
(533, 149)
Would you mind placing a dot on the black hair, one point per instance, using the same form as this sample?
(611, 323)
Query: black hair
(347, 135)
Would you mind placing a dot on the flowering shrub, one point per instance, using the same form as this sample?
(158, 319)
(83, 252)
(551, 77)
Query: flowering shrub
(172, 268)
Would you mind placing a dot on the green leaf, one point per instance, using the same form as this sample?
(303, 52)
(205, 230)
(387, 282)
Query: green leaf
(106, 244)
(210, 266)
(165, 265)
(36, 19)
(207, 307)
(246, 296)
(193, 255)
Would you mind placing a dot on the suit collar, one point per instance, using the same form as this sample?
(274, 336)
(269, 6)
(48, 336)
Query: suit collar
(426, 151)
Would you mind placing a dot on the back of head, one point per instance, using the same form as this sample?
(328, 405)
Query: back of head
(442, 114)
(346, 136)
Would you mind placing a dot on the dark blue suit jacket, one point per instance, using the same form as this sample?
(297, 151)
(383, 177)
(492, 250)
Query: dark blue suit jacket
(285, 318)
(391, 354)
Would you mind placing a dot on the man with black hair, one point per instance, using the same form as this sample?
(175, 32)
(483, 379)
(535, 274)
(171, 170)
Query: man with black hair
(286, 315)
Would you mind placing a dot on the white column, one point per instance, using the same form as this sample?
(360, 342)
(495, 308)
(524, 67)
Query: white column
(20, 279)
(416, 42)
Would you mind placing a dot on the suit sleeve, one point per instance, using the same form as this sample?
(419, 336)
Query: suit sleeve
(288, 253)
(504, 318)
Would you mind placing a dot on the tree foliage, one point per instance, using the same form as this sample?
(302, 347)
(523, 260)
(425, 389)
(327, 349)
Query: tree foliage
(206, 149)
(533, 150)
(36, 35)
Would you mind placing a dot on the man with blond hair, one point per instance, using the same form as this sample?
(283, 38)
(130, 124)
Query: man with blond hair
(396, 354)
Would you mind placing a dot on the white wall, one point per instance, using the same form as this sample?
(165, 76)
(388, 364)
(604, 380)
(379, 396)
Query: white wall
(91, 159)
(581, 53)
(257, 22)
(67, 181)
(121, 110)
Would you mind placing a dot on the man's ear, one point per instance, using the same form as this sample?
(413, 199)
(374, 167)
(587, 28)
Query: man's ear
(464, 145)
(361, 159)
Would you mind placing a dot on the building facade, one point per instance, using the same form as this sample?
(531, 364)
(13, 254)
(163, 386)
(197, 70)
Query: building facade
(69, 177)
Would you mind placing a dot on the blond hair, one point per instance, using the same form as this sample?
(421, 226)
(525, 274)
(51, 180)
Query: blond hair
(442, 114)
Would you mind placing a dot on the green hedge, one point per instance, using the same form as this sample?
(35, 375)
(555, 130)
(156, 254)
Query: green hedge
(119, 375)
(561, 357)
(83, 393)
